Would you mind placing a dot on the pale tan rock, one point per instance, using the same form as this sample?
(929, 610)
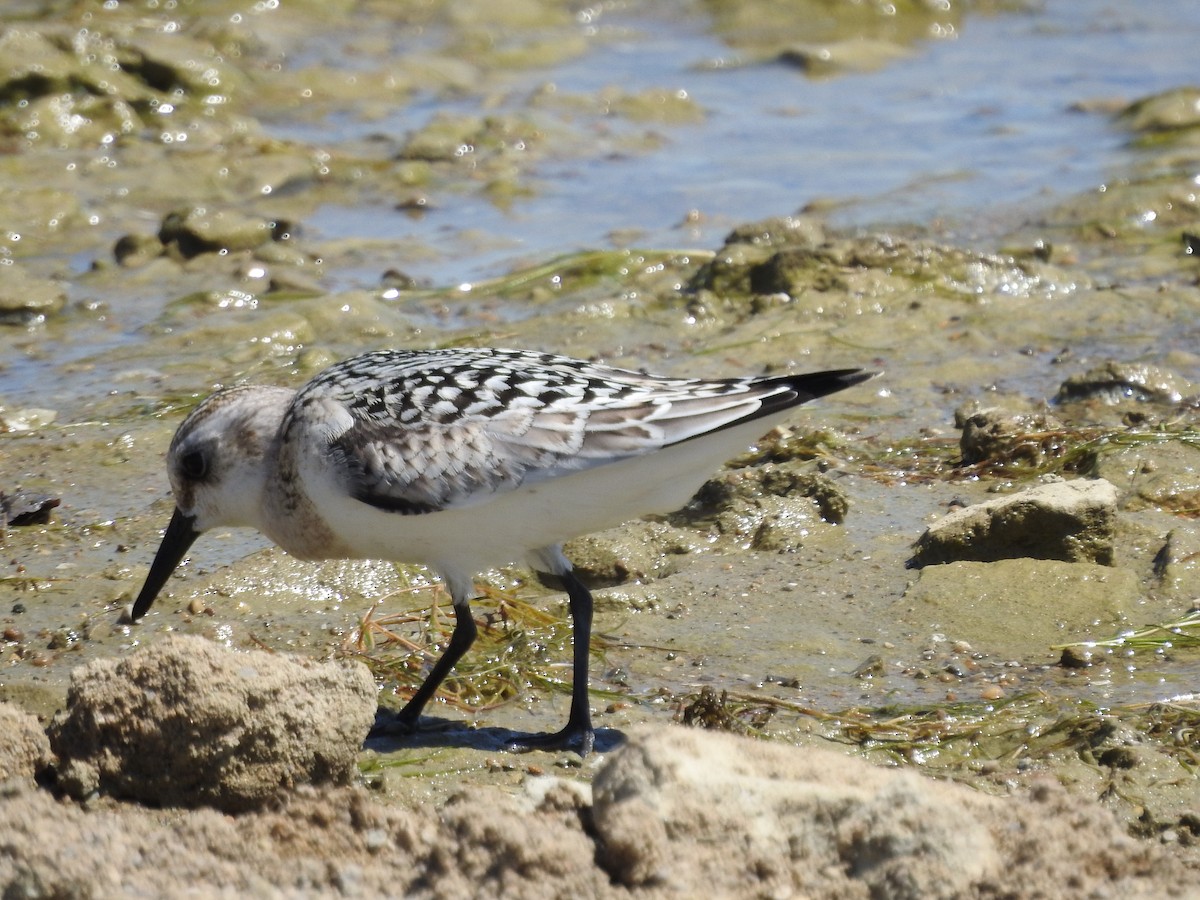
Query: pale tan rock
(24, 749)
(186, 722)
(1066, 520)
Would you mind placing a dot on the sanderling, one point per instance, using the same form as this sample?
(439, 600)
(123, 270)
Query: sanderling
(462, 460)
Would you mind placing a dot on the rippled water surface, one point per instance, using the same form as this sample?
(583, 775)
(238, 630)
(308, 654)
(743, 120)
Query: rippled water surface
(979, 129)
(966, 132)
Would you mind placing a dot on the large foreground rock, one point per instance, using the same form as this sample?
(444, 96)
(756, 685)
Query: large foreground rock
(779, 820)
(685, 813)
(1073, 521)
(186, 722)
(676, 813)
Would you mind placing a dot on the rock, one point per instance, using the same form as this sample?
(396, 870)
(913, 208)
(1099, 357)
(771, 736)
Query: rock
(443, 138)
(69, 95)
(1018, 608)
(745, 265)
(70, 87)
(773, 507)
(857, 54)
(1160, 474)
(1117, 382)
(24, 508)
(185, 722)
(999, 435)
(28, 419)
(794, 258)
(790, 480)
(1065, 520)
(686, 812)
(1177, 563)
(1171, 111)
(132, 250)
(783, 526)
(24, 749)
(630, 553)
(527, 845)
(25, 298)
(697, 813)
(677, 812)
(653, 105)
(201, 230)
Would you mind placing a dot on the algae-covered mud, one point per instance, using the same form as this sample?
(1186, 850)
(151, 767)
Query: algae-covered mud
(984, 564)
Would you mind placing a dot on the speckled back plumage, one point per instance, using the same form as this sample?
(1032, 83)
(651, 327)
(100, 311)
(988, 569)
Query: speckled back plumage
(430, 430)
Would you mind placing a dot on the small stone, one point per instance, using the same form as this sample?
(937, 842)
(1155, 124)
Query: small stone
(1076, 658)
(1000, 436)
(857, 54)
(1117, 382)
(870, 667)
(1071, 521)
(375, 839)
(1174, 110)
(202, 230)
(24, 508)
(133, 250)
(25, 298)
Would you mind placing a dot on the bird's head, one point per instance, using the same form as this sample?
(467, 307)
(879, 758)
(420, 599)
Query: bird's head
(217, 464)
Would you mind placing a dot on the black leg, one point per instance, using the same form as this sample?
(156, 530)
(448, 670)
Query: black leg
(461, 640)
(578, 733)
(579, 722)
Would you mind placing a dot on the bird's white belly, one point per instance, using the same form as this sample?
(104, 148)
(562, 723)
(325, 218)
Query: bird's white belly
(506, 527)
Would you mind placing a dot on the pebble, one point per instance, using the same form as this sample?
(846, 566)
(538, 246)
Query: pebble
(1075, 658)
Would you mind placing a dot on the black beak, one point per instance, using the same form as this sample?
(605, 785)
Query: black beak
(180, 534)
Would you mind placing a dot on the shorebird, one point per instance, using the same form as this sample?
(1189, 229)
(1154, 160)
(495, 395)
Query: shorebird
(462, 460)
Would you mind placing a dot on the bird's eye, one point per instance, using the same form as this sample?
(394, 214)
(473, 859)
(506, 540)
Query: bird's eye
(193, 465)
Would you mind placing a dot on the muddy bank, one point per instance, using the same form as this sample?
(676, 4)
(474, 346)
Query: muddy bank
(671, 811)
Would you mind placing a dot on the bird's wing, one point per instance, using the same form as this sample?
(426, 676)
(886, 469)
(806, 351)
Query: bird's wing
(417, 432)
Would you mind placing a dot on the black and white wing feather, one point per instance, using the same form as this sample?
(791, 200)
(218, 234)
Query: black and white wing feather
(423, 431)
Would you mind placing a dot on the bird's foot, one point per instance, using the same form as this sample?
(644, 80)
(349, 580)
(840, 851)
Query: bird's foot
(580, 738)
(392, 724)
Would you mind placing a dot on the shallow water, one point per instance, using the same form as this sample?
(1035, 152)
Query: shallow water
(969, 133)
